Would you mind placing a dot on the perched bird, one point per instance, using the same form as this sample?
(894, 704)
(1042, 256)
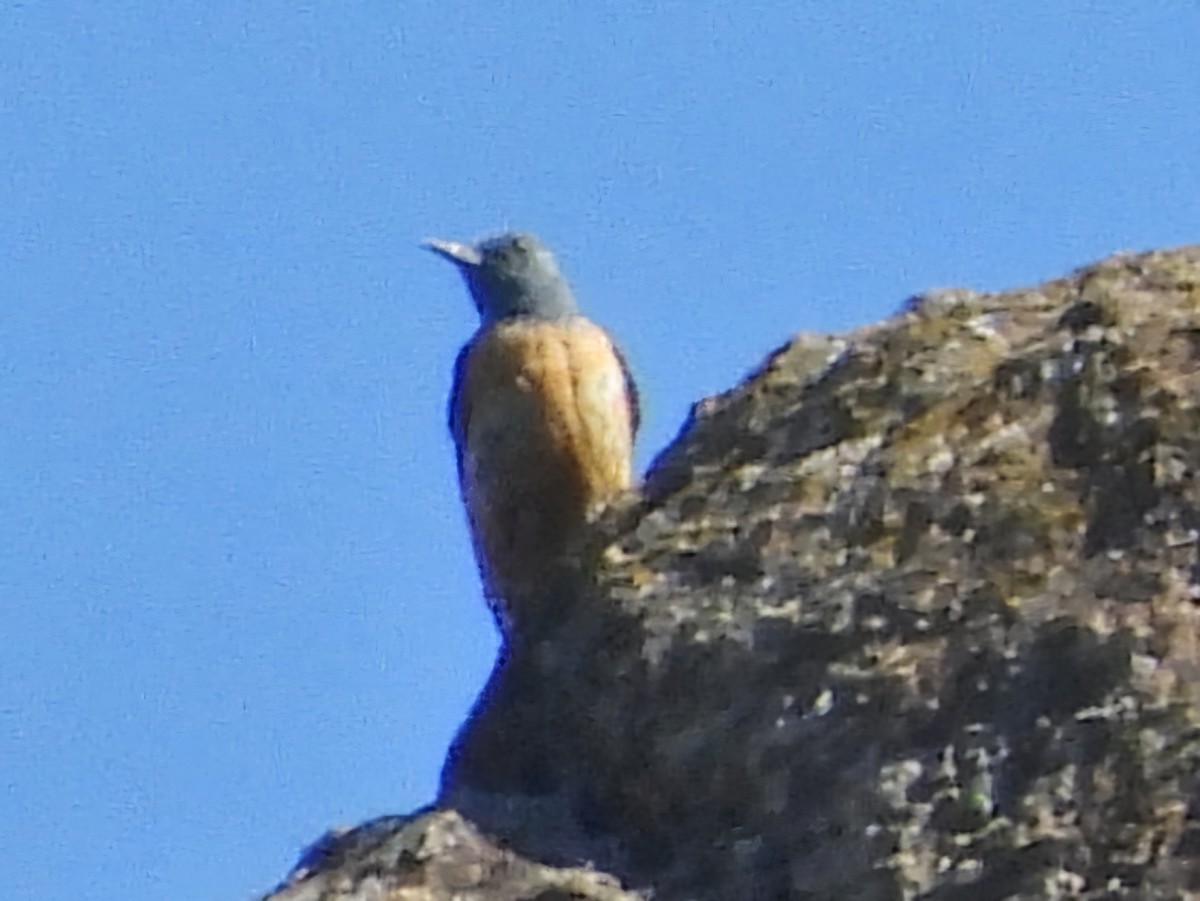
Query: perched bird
(543, 414)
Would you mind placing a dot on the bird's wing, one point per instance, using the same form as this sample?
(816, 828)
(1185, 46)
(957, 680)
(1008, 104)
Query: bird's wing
(458, 411)
(631, 392)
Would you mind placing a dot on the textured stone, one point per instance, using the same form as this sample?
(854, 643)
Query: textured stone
(428, 857)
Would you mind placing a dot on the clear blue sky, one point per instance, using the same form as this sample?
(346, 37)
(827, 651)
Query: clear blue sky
(237, 602)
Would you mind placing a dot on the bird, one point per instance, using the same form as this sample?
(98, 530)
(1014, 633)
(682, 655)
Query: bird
(543, 413)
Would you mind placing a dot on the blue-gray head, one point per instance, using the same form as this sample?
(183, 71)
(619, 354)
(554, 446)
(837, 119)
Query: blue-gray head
(510, 275)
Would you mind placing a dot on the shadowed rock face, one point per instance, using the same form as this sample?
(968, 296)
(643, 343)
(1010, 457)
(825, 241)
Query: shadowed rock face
(911, 613)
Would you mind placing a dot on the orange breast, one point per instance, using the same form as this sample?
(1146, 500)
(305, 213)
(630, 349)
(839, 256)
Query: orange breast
(545, 435)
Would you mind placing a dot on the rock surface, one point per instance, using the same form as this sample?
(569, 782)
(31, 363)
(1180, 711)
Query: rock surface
(911, 613)
(431, 856)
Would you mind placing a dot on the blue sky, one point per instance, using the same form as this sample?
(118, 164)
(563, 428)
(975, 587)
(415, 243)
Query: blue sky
(237, 602)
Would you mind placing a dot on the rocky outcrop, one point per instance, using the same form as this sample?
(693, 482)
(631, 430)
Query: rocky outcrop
(429, 856)
(911, 613)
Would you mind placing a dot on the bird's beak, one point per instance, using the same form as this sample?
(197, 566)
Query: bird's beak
(455, 251)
